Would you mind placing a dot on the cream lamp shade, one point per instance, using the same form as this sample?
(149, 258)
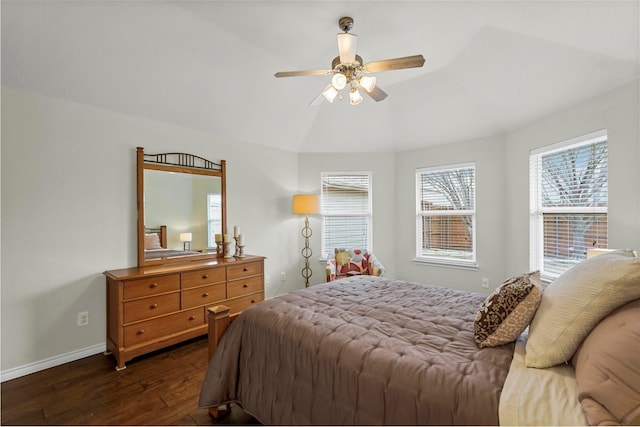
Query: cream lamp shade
(306, 204)
(185, 237)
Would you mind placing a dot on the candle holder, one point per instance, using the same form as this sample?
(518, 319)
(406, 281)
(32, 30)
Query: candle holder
(237, 252)
(219, 249)
(240, 253)
(227, 250)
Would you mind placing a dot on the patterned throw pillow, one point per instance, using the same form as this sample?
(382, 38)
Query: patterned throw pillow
(508, 310)
(351, 261)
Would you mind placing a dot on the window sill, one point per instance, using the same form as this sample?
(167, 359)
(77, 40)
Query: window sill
(447, 263)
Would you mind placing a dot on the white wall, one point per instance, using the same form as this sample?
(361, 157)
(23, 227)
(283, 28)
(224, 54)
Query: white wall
(382, 182)
(69, 213)
(488, 155)
(618, 112)
(502, 192)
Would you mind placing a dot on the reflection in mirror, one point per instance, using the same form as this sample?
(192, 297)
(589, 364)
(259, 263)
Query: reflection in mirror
(181, 207)
(184, 203)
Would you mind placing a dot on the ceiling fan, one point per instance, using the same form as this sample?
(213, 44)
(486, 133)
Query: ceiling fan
(350, 71)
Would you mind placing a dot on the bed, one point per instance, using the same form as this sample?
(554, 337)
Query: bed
(373, 350)
(155, 244)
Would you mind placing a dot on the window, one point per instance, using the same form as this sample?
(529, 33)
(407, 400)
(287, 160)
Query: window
(214, 218)
(445, 215)
(569, 198)
(346, 211)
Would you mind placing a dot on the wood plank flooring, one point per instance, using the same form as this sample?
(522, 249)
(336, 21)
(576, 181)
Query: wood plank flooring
(161, 388)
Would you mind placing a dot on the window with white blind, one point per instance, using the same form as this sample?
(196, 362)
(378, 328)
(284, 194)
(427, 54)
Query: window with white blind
(568, 201)
(214, 218)
(346, 211)
(446, 215)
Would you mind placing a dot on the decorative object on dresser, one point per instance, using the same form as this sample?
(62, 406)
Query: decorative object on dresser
(306, 204)
(164, 299)
(185, 238)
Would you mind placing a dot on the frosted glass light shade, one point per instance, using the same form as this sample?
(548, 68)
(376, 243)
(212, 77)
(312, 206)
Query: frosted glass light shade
(339, 81)
(354, 96)
(367, 83)
(347, 44)
(330, 93)
(185, 237)
(306, 204)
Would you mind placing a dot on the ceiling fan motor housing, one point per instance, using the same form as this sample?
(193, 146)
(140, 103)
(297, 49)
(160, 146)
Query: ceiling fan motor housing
(345, 23)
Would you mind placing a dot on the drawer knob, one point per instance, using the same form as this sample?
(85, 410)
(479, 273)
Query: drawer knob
(192, 318)
(245, 285)
(253, 301)
(141, 331)
(153, 285)
(154, 306)
(205, 276)
(206, 294)
(245, 269)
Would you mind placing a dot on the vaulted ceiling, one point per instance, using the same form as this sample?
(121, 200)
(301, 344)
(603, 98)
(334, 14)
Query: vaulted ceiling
(491, 66)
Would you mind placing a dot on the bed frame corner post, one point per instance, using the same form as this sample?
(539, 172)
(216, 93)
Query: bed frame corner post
(218, 320)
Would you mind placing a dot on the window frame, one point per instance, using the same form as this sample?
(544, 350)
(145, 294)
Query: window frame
(470, 263)
(537, 211)
(325, 254)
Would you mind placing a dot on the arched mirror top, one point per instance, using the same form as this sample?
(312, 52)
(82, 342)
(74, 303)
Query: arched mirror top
(181, 207)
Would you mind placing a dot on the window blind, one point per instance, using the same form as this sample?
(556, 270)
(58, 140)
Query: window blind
(346, 211)
(569, 202)
(445, 225)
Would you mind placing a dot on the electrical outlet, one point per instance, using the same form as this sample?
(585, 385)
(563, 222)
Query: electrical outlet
(83, 318)
(282, 276)
(485, 283)
(267, 279)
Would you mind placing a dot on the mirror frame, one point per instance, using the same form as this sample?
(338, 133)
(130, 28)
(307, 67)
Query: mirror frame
(182, 163)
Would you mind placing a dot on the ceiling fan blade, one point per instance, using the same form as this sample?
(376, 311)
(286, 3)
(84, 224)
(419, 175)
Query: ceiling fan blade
(347, 44)
(376, 93)
(415, 61)
(303, 73)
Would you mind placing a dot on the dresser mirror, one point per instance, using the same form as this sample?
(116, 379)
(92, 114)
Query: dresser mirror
(181, 207)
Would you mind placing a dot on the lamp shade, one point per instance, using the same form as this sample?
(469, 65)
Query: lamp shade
(367, 83)
(347, 44)
(354, 96)
(185, 237)
(339, 81)
(306, 204)
(330, 93)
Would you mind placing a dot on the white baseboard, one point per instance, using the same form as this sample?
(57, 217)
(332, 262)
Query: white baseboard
(30, 368)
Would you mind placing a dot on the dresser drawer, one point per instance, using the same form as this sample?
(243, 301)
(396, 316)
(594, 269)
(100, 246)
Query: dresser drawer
(236, 288)
(244, 270)
(203, 277)
(163, 326)
(152, 306)
(204, 295)
(151, 286)
(237, 305)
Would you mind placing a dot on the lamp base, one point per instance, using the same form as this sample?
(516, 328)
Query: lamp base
(306, 252)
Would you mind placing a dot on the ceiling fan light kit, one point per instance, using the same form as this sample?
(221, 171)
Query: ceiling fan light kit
(354, 96)
(349, 69)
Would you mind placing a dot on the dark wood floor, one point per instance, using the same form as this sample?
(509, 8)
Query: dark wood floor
(161, 388)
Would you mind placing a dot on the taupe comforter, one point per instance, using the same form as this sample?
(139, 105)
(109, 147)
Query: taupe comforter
(360, 350)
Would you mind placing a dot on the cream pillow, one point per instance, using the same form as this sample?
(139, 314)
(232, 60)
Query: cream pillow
(575, 302)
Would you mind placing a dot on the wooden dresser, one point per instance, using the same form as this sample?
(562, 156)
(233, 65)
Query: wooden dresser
(152, 307)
